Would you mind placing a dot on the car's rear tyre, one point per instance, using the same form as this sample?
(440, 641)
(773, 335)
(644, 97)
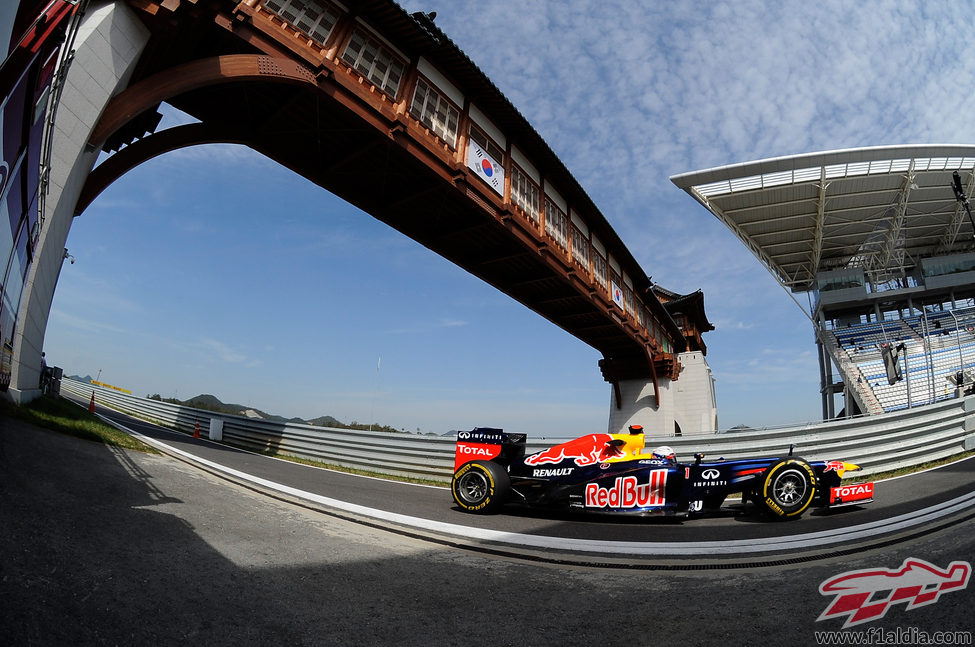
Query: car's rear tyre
(787, 488)
(480, 486)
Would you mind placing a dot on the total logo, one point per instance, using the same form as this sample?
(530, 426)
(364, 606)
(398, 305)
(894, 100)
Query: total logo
(471, 451)
(474, 450)
(627, 492)
(850, 493)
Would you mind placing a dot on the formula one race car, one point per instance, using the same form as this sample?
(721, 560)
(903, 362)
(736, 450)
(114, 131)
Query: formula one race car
(610, 473)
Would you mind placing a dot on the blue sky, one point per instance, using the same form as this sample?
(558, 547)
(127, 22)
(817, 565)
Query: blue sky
(213, 270)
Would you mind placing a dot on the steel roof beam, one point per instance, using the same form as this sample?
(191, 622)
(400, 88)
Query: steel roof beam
(818, 228)
(892, 239)
(957, 218)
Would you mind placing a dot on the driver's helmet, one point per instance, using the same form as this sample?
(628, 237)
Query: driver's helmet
(664, 452)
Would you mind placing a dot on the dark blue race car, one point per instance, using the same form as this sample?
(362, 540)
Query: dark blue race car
(611, 473)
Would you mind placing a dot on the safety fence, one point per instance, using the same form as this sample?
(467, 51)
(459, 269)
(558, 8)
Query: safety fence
(877, 443)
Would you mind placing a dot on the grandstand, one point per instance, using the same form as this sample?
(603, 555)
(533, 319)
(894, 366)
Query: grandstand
(882, 243)
(930, 349)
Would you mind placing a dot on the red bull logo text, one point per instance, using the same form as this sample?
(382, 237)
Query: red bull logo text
(628, 493)
(587, 450)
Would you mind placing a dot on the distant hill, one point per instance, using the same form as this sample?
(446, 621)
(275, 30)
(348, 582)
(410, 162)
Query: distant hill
(205, 401)
(211, 402)
(325, 421)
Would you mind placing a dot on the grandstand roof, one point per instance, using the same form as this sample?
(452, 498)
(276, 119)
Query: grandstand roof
(880, 208)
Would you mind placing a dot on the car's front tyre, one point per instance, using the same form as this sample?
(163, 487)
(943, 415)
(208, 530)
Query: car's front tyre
(480, 486)
(787, 488)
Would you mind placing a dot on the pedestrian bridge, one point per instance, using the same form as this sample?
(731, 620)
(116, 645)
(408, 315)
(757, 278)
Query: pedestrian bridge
(380, 108)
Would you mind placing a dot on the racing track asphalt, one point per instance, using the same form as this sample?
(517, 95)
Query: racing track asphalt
(739, 534)
(102, 546)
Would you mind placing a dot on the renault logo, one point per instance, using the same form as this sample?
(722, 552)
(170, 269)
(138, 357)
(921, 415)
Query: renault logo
(710, 474)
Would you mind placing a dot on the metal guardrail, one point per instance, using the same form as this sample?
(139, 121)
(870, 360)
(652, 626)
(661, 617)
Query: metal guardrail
(876, 443)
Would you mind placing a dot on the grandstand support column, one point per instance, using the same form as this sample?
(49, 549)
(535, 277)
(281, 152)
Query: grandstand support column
(108, 45)
(825, 380)
(907, 376)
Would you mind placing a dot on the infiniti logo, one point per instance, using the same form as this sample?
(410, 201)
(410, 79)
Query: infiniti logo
(710, 474)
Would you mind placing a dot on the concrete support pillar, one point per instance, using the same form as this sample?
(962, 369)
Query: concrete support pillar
(108, 44)
(639, 407)
(687, 404)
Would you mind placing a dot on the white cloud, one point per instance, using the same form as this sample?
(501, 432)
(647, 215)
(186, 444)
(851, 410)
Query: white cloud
(224, 352)
(421, 327)
(629, 93)
(62, 318)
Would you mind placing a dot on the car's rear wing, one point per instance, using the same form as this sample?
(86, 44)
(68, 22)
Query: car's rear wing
(487, 444)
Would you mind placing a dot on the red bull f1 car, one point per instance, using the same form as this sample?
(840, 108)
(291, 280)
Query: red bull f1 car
(611, 473)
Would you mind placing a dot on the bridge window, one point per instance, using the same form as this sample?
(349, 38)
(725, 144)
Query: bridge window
(374, 61)
(487, 145)
(630, 301)
(580, 247)
(310, 16)
(524, 193)
(556, 223)
(435, 112)
(599, 269)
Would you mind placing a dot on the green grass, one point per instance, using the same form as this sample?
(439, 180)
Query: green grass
(67, 418)
(880, 476)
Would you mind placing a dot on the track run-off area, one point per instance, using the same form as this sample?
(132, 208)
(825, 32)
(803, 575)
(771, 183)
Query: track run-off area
(209, 543)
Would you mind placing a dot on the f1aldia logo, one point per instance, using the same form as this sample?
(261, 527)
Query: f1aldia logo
(866, 595)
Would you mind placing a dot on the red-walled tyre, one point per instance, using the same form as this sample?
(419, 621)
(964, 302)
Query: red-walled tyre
(480, 486)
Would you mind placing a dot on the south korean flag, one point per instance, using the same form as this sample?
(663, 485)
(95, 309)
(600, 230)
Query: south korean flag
(485, 167)
(618, 296)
